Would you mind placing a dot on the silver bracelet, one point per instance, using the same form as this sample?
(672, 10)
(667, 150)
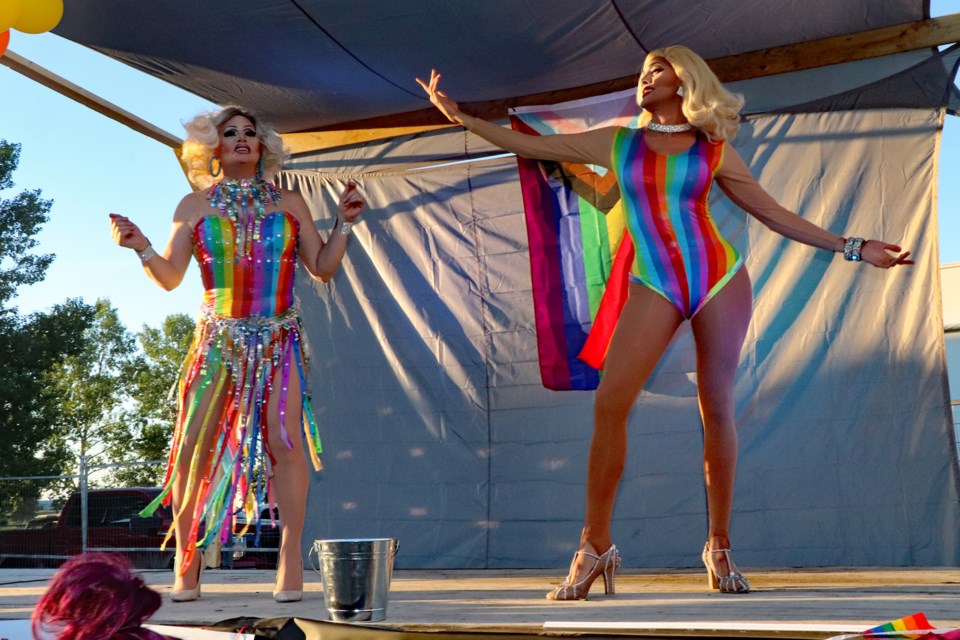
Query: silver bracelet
(346, 228)
(146, 253)
(851, 249)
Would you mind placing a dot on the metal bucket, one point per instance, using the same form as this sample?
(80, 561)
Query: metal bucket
(356, 577)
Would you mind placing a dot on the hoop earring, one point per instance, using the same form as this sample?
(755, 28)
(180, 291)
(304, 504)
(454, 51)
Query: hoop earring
(260, 168)
(210, 166)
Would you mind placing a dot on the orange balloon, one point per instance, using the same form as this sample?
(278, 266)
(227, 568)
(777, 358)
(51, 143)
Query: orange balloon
(10, 11)
(39, 16)
(4, 41)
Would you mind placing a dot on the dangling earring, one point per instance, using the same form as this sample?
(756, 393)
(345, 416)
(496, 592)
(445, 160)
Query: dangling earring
(680, 91)
(260, 168)
(219, 166)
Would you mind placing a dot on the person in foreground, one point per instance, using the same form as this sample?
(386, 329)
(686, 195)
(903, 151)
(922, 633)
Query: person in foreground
(243, 407)
(95, 596)
(683, 270)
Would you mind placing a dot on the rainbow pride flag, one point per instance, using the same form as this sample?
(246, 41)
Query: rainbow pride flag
(577, 243)
(902, 628)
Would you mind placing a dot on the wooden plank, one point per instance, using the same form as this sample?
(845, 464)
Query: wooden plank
(64, 87)
(313, 140)
(839, 49)
(799, 603)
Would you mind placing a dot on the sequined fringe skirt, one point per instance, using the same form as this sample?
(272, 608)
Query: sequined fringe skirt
(239, 360)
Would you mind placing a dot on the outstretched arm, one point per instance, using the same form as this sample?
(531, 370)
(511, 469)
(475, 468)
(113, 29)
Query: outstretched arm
(739, 184)
(590, 147)
(167, 268)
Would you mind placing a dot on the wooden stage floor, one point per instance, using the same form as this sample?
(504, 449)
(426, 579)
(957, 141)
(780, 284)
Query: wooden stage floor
(785, 603)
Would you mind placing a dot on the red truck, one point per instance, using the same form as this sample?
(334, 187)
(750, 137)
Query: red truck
(114, 524)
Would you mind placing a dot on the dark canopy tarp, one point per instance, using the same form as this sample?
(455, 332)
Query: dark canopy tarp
(304, 64)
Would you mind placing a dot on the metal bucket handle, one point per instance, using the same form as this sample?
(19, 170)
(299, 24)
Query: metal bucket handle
(313, 566)
(313, 549)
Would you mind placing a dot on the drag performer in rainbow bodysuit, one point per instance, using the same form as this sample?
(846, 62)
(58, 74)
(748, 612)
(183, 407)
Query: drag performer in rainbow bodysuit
(682, 270)
(243, 414)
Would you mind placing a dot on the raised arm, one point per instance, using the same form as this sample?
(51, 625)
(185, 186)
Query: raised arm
(590, 147)
(322, 259)
(739, 184)
(167, 268)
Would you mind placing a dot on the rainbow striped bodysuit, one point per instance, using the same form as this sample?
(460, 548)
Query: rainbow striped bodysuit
(247, 342)
(678, 251)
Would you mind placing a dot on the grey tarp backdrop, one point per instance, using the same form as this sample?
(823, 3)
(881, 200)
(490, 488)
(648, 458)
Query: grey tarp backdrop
(438, 432)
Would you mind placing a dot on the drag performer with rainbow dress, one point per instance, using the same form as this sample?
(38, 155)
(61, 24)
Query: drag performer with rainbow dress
(243, 417)
(682, 269)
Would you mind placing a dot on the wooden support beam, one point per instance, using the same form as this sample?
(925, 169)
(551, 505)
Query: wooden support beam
(313, 140)
(754, 64)
(838, 49)
(64, 87)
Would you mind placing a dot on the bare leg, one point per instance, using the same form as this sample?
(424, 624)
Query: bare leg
(644, 330)
(719, 330)
(289, 483)
(178, 498)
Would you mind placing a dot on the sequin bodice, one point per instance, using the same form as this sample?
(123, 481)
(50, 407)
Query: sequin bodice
(242, 284)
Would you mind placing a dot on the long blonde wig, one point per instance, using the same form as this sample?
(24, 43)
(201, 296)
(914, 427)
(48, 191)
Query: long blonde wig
(707, 104)
(203, 138)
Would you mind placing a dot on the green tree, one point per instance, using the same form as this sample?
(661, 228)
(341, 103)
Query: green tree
(92, 387)
(148, 428)
(30, 347)
(20, 220)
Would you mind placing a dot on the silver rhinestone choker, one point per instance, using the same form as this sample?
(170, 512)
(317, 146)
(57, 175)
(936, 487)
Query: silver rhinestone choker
(669, 128)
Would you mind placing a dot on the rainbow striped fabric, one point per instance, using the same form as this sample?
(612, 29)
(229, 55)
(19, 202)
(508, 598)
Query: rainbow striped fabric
(575, 226)
(237, 286)
(901, 627)
(680, 254)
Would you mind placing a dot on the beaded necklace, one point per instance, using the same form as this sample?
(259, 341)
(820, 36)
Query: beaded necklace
(245, 203)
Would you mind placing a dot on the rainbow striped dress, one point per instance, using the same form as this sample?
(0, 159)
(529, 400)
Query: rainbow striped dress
(247, 343)
(678, 251)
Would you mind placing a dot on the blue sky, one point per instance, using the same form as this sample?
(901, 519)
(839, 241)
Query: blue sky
(90, 166)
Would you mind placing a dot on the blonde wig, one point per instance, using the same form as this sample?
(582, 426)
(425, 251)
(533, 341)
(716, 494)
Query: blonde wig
(707, 104)
(203, 138)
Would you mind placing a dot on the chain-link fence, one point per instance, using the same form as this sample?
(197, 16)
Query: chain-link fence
(46, 519)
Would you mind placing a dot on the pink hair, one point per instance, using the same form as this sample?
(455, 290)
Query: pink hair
(96, 596)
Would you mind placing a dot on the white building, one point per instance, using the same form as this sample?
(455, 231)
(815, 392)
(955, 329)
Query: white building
(950, 289)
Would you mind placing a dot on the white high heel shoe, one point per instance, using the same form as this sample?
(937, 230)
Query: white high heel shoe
(733, 582)
(189, 595)
(605, 564)
(290, 595)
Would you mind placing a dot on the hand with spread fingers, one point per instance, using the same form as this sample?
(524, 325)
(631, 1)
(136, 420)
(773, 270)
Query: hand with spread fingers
(878, 253)
(447, 106)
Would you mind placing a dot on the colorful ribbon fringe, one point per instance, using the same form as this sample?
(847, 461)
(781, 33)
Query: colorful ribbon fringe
(238, 359)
